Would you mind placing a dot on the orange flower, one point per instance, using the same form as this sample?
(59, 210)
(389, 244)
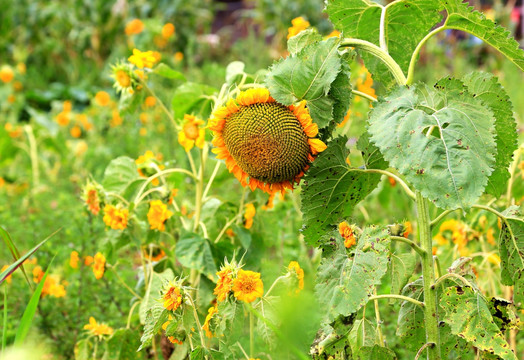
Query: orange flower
(248, 133)
(248, 286)
(150, 101)
(88, 261)
(38, 274)
(168, 30)
(158, 215)
(294, 268)
(146, 59)
(249, 214)
(116, 120)
(9, 278)
(75, 131)
(210, 313)
(346, 231)
(6, 74)
(53, 287)
(192, 134)
(408, 229)
(99, 265)
(62, 118)
(490, 236)
(230, 232)
(74, 259)
(178, 57)
(102, 98)
(123, 78)
(98, 329)
(299, 24)
(91, 198)
(224, 283)
(365, 83)
(115, 217)
(134, 27)
(172, 296)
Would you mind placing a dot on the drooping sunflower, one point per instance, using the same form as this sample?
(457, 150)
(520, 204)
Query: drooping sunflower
(265, 144)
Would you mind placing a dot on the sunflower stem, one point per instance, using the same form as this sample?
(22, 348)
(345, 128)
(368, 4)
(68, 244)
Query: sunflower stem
(251, 335)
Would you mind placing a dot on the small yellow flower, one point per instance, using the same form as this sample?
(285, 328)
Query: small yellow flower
(8, 279)
(230, 232)
(67, 106)
(142, 131)
(408, 228)
(115, 217)
(38, 274)
(172, 296)
(11, 99)
(346, 231)
(98, 329)
(192, 134)
(294, 268)
(158, 215)
(168, 30)
(494, 259)
(134, 27)
(249, 214)
(210, 313)
(53, 287)
(146, 59)
(224, 283)
(62, 118)
(116, 119)
(75, 131)
(248, 286)
(150, 101)
(123, 78)
(88, 260)
(74, 259)
(490, 236)
(6, 74)
(102, 98)
(99, 265)
(299, 24)
(21, 67)
(178, 57)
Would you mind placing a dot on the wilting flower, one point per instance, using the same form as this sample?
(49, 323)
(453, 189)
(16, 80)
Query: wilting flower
(210, 313)
(74, 259)
(168, 30)
(134, 27)
(249, 214)
(98, 329)
(146, 59)
(6, 74)
(346, 231)
(91, 197)
(248, 286)
(224, 283)
(192, 134)
(294, 268)
(265, 144)
(115, 217)
(299, 24)
(172, 296)
(99, 265)
(158, 215)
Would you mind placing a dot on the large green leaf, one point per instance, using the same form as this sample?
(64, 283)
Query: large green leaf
(477, 327)
(122, 345)
(485, 87)
(442, 139)
(511, 247)
(401, 269)
(465, 18)
(190, 97)
(363, 333)
(153, 293)
(375, 352)
(345, 282)
(194, 252)
(308, 75)
(155, 318)
(304, 38)
(119, 174)
(332, 188)
(410, 324)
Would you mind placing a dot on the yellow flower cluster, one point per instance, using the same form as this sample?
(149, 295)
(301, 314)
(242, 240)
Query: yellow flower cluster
(299, 24)
(158, 215)
(98, 329)
(115, 217)
(52, 285)
(172, 296)
(346, 231)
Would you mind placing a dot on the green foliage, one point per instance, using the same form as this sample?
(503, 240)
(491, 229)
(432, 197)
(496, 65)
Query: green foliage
(119, 174)
(332, 188)
(168, 73)
(345, 282)
(363, 334)
(122, 345)
(151, 300)
(192, 98)
(194, 252)
(442, 151)
(478, 327)
(376, 352)
(401, 269)
(296, 43)
(410, 321)
(155, 318)
(511, 250)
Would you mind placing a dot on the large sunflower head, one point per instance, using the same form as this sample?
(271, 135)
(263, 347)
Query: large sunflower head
(265, 144)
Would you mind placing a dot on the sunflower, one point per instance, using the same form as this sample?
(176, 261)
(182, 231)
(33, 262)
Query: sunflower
(265, 144)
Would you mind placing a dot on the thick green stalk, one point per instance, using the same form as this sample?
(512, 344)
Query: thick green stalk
(428, 273)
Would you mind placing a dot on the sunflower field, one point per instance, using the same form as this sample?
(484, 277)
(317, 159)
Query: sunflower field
(262, 180)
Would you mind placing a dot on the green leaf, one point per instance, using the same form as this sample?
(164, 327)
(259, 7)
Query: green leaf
(410, 324)
(402, 267)
(234, 70)
(304, 38)
(477, 327)
(503, 313)
(344, 283)
(511, 246)
(122, 345)
(119, 174)
(440, 138)
(332, 188)
(194, 252)
(452, 346)
(188, 97)
(7, 148)
(518, 289)
(485, 87)
(465, 18)
(155, 318)
(153, 294)
(307, 75)
(30, 310)
(165, 71)
(362, 334)
(376, 352)
(83, 350)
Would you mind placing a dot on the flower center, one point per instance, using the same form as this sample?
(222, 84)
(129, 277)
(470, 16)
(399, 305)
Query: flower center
(267, 141)
(191, 131)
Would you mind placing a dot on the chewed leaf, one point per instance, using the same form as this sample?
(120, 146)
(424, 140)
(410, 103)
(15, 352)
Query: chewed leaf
(442, 139)
(511, 247)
